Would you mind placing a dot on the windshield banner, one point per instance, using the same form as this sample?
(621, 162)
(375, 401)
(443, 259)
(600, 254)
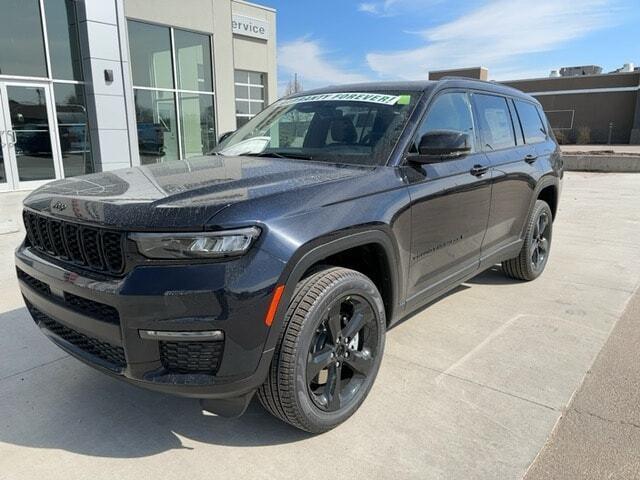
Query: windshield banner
(346, 96)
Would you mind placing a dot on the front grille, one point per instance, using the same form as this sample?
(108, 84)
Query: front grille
(107, 352)
(97, 310)
(92, 309)
(34, 283)
(191, 357)
(94, 248)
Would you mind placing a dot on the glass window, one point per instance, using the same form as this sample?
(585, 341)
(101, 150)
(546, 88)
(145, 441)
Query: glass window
(21, 39)
(242, 108)
(241, 76)
(157, 129)
(256, 78)
(197, 122)
(255, 107)
(150, 47)
(30, 121)
(241, 121)
(73, 127)
(3, 173)
(495, 121)
(193, 58)
(62, 30)
(160, 136)
(532, 126)
(342, 129)
(449, 111)
(293, 128)
(250, 95)
(256, 93)
(242, 91)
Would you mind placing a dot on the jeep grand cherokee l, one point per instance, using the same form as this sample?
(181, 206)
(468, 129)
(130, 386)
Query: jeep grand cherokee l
(276, 264)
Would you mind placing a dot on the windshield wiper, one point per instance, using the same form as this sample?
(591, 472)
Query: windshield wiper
(295, 156)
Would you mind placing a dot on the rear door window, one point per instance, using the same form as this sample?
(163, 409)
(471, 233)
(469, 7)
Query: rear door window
(532, 125)
(495, 121)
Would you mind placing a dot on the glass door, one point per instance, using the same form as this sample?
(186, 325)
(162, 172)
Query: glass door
(31, 149)
(5, 183)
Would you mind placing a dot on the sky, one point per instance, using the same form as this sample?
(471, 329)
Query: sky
(340, 41)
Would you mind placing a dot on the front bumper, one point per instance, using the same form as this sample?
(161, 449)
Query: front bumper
(99, 320)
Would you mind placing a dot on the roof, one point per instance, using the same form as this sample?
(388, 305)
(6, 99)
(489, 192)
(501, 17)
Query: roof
(421, 86)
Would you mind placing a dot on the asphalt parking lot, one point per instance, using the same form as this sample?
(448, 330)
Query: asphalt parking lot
(470, 387)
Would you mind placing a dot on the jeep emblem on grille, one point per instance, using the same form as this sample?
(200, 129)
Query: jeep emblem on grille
(59, 206)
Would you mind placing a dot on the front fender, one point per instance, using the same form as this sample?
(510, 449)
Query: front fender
(320, 248)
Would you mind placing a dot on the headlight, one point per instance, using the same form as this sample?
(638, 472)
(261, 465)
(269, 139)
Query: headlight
(195, 245)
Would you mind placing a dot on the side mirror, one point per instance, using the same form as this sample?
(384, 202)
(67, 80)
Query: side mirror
(439, 145)
(225, 135)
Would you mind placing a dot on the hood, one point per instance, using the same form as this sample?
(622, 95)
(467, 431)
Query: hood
(180, 195)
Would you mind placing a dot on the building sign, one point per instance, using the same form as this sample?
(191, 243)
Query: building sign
(250, 27)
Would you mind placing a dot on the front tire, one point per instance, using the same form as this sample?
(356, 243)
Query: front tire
(533, 257)
(329, 352)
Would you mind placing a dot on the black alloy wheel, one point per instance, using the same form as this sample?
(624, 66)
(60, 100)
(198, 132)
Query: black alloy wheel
(329, 351)
(342, 353)
(540, 241)
(534, 254)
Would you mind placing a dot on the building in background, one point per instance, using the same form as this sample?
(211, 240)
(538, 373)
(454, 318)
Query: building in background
(480, 73)
(583, 104)
(92, 85)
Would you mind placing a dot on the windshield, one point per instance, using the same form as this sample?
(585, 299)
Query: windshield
(355, 128)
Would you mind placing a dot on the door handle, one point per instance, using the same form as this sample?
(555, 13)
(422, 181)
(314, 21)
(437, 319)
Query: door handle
(11, 137)
(530, 158)
(478, 170)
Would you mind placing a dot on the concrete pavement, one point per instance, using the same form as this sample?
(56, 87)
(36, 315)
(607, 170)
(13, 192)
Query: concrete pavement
(470, 387)
(599, 434)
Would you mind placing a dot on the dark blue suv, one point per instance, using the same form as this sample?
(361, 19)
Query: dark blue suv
(276, 264)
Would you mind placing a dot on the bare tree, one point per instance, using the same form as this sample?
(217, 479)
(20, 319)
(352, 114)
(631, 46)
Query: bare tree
(294, 85)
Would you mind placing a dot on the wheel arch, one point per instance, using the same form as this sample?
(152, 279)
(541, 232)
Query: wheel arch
(547, 189)
(549, 193)
(318, 251)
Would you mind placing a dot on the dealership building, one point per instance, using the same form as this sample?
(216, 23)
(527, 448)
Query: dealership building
(93, 85)
(583, 104)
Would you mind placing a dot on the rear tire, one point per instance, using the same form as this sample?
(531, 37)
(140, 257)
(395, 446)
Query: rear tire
(329, 351)
(533, 257)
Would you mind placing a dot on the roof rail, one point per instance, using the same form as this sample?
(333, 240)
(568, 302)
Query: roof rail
(483, 82)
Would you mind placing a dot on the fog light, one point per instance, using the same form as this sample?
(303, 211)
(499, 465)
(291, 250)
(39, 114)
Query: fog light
(202, 336)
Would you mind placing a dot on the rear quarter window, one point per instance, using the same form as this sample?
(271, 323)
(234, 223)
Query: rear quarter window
(532, 126)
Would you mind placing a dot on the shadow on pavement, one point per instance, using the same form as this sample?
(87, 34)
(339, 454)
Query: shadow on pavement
(60, 403)
(459, 288)
(492, 276)
(67, 405)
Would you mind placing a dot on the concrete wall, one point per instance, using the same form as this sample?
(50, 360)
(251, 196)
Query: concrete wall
(602, 163)
(256, 54)
(109, 104)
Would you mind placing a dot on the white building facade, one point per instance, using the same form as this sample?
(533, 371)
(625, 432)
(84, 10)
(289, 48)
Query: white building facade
(96, 85)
